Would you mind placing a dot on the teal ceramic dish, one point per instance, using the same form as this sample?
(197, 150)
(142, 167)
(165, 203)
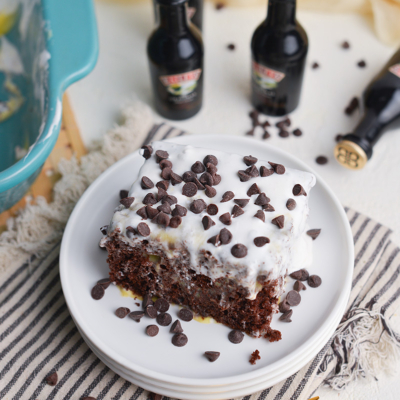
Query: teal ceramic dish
(45, 46)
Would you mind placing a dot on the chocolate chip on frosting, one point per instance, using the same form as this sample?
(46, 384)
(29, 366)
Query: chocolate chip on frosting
(279, 221)
(210, 159)
(249, 160)
(165, 164)
(211, 169)
(215, 240)
(189, 189)
(225, 236)
(212, 209)
(265, 171)
(268, 208)
(236, 211)
(127, 201)
(175, 221)
(198, 206)
(130, 232)
(298, 190)
(147, 151)
(164, 185)
(123, 193)
(147, 183)
(260, 214)
(239, 250)
(171, 200)
(143, 229)
(207, 222)
(188, 176)
(151, 212)
(161, 219)
(226, 218)
(165, 208)
(175, 179)
(179, 211)
(262, 200)
(217, 179)
(104, 229)
(261, 241)
(227, 196)
(291, 204)
(198, 167)
(244, 176)
(241, 202)
(210, 191)
(206, 179)
(313, 233)
(254, 189)
(161, 155)
(252, 171)
(278, 168)
(166, 173)
(161, 194)
(300, 275)
(199, 185)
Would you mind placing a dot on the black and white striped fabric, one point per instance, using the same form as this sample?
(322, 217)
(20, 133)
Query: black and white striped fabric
(38, 336)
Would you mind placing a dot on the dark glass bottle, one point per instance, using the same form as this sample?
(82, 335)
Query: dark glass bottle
(381, 112)
(175, 52)
(279, 48)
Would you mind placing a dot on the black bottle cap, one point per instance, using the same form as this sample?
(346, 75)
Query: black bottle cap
(171, 2)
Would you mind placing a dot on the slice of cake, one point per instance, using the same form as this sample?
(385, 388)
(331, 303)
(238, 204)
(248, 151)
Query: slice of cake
(213, 231)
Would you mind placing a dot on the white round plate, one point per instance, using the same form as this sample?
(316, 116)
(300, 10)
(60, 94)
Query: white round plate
(124, 342)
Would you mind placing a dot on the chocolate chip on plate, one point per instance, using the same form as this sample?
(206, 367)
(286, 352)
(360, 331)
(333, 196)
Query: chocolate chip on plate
(175, 222)
(315, 65)
(151, 311)
(226, 218)
(198, 206)
(345, 45)
(284, 306)
(152, 330)
(227, 196)
(212, 355)
(212, 209)
(127, 201)
(235, 336)
(362, 64)
(314, 233)
(231, 46)
(176, 327)
(164, 319)
(261, 241)
(161, 305)
(143, 229)
(161, 155)
(250, 160)
(279, 221)
(293, 298)
(286, 316)
(278, 168)
(122, 312)
(265, 171)
(147, 151)
(236, 211)
(210, 191)
(198, 167)
(298, 190)
(299, 286)
(291, 204)
(314, 281)
(165, 164)
(260, 215)
(179, 211)
(225, 236)
(123, 193)
(210, 159)
(185, 314)
(207, 222)
(253, 171)
(241, 202)
(266, 134)
(297, 132)
(179, 339)
(147, 300)
(149, 199)
(321, 160)
(353, 105)
(105, 282)
(97, 292)
(146, 183)
(300, 275)
(239, 250)
(262, 200)
(52, 379)
(254, 189)
(283, 133)
(136, 315)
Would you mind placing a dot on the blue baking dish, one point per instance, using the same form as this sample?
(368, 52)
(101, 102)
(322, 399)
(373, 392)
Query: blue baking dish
(45, 46)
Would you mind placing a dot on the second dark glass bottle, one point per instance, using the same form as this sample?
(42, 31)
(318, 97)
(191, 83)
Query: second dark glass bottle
(175, 53)
(279, 49)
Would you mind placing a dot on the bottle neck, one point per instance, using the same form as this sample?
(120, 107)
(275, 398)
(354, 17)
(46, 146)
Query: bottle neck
(281, 13)
(173, 18)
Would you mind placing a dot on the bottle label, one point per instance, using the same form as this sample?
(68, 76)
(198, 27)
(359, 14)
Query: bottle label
(181, 88)
(266, 78)
(395, 69)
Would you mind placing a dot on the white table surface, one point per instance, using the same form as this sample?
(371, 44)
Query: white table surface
(122, 74)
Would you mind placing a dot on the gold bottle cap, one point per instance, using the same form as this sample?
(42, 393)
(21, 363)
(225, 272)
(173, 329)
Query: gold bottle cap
(350, 155)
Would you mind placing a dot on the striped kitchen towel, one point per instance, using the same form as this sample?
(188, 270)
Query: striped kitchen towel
(38, 336)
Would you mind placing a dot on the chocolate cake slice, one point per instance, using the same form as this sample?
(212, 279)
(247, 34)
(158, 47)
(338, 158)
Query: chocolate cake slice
(212, 231)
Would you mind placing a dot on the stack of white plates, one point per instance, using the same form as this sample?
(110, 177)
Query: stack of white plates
(153, 362)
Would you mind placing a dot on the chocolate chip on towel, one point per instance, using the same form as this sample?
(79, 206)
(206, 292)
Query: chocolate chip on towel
(293, 298)
(314, 281)
(122, 312)
(239, 250)
(235, 336)
(212, 355)
(286, 317)
(298, 286)
(176, 327)
(97, 292)
(314, 233)
(185, 314)
(52, 379)
(136, 315)
(152, 330)
(300, 275)
(179, 339)
(164, 319)
(161, 305)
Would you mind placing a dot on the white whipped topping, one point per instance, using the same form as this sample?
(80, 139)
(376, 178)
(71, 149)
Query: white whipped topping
(289, 248)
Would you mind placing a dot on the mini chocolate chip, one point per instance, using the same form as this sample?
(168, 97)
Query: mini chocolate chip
(298, 190)
(164, 185)
(362, 64)
(175, 222)
(166, 173)
(151, 311)
(210, 191)
(300, 275)
(215, 240)
(254, 114)
(165, 208)
(152, 330)
(293, 298)
(97, 292)
(176, 327)
(254, 189)
(252, 171)
(212, 355)
(291, 204)
(210, 159)
(147, 183)
(123, 193)
(236, 211)
(185, 314)
(188, 176)
(297, 132)
(353, 105)
(122, 312)
(241, 202)
(105, 282)
(250, 132)
(147, 300)
(239, 250)
(161, 194)
(231, 46)
(206, 179)
(283, 123)
(171, 200)
(217, 179)
(244, 176)
(161, 305)
(142, 212)
(260, 214)
(161, 219)
(235, 336)
(197, 206)
(286, 316)
(198, 167)
(227, 196)
(207, 222)
(314, 65)
(136, 315)
(211, 169)
(103, 229)
(283, 133)
(298, 286)
(179, 339)
(199, 185)
(189, 189)
(165, 164)
(143, 229)
(226, 218)
(268, 208)
(225, 236)
(164, 319)
(161, 155)
(212, 209)
(314, 281)
(262, 200)
(151, 212)
(127, 201)
(265, 171)
(284, 306)
(130, 232)
(52, 379)
(279, 221)
(321, 160)
(147, 151)
(338, 137)
(314, 233)
(250, 160)
(175, 179)
(265, 124)
(261, 241)
(179, 211)
(345, 45)
(278, 168)
(149, 199)
(266, 134)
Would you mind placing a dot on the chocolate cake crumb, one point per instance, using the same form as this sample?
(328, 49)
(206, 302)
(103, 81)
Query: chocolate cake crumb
(254, 357)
